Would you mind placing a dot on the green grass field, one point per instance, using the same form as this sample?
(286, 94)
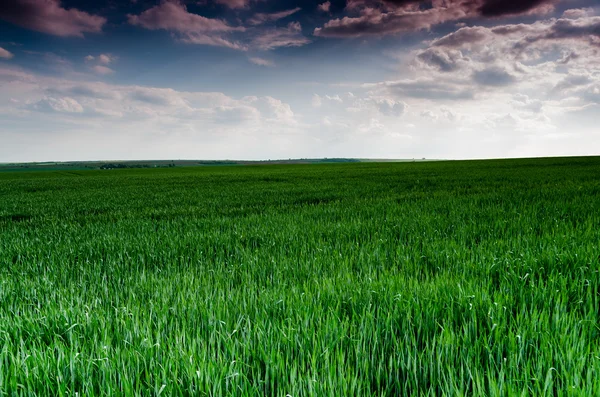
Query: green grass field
(444, 278)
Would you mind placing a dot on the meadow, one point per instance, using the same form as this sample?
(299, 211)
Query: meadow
(363, 279)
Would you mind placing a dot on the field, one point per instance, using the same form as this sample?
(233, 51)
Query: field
(443, 278)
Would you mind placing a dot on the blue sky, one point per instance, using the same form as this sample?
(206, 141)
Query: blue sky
(257, 79)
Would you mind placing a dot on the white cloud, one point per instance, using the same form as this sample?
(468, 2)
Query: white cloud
(61, 105)
(5, 54)
(577, 13)
(201, 124)
(103, 70)
(99, 64)
(316, 101)
(390, 107)
(261, 62)
(106, 59)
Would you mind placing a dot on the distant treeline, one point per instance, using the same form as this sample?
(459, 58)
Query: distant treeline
(112, 166)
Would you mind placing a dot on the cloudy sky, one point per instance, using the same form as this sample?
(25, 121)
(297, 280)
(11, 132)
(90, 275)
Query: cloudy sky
(260, 79)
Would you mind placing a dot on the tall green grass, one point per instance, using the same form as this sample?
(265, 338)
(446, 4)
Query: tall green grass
(455, 278)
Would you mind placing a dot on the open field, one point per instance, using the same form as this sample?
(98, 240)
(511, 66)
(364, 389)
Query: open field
(457, 278)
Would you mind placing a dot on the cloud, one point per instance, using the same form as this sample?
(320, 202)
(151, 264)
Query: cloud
(48, 16)
(158, 122)
(212, 40)
(568, 56)
(83, 90)
(274, 109)
(584, 30)
(507, 121)
(233, 3)
(156, 96)
(377, 23)
(60, 105)
(573, 28)
(442, 115)
(576, 13)
(425, 88)
(576, 38)
(289, 36)
(353, 111)
(5, 54)
(521, 101)
(260, 18)
(443, 59)
(103, 59)
(316, 101)
(325, 7)
(387, 5)
(390, 107)
(172, 15)
(463, 37)
(592, 93)
(496, 8)
(523, 47)
(261, 62)
(236, 114)
(388, 17)
(138, 103)
(572, 81)
(493, 76)
(484, 8)
(103, 70)
(545, 60)
(98, 64)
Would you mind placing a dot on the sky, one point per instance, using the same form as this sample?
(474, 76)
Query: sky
(265, 79)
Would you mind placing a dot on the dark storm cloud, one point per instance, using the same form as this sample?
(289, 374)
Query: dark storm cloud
(389, 3)
(49, 16)
(403, 2)
(384, 17)
(497, 8)
(384, 23)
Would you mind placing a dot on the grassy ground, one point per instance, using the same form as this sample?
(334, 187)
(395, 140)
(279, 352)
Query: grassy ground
(457, 278)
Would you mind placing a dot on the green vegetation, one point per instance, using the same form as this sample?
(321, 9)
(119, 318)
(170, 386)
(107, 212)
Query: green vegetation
(456, 278)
